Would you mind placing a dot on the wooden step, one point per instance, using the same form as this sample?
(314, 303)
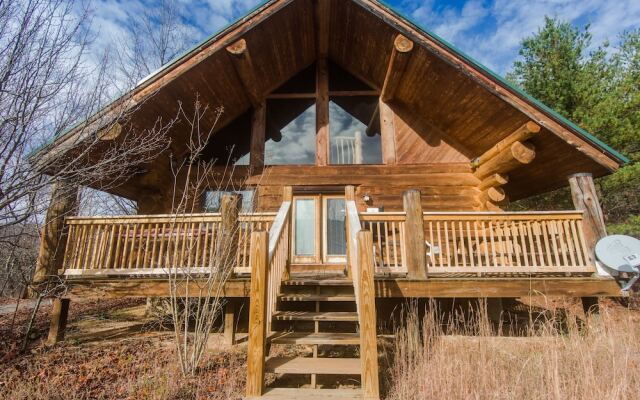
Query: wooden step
(310, 365)
(315, 316)
(310, 394)
(331, 338)
(318, 282)
(316, 297)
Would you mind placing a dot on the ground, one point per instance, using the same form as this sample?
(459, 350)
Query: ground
(109, 354)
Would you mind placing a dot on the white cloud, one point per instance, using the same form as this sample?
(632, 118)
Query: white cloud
(491, 31)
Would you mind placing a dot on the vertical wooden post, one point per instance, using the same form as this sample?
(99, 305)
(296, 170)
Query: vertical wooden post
(367, 317)
(230, 322)
(387, 133)
(59, 315)
(53, 240)
(414, 235)
(257, 313)
(322, 112)
(229, 209)
(258, 127)
(287, 195)
(585, 199)
(349, 195)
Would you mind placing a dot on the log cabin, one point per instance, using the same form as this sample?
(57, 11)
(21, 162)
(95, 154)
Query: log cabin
(377, 160)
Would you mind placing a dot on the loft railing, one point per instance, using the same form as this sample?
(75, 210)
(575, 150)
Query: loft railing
(510, 242)
(151, 245)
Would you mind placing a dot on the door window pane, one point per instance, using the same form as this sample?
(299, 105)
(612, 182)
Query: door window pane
(305, 220)
(352, 141)
(336, 235)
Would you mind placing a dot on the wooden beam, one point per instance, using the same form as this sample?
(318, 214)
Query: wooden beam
(495, 194)
(585, 199)
(243, 65)
(387, 133)
(256, 351)
(230, 322)
(416, 262)
(322, 16)
(494, 180)
(59, 316)
(322, 112)
(367, 317)
(516, 155)
(350, 193)
(230, 205)
(258, 129)
(53, 239)
(521, 134)
(398, 61)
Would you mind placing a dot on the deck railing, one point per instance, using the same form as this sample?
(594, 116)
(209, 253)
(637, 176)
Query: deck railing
(388, 240)
(509, 242)
(147, 245)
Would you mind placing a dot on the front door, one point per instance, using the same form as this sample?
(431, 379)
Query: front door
(319, 229)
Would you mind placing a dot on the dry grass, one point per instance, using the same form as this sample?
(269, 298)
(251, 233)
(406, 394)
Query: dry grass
(558, 357)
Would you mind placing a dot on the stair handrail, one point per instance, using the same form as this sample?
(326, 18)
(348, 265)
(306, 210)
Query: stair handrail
(278, 257)
(362, 269)
(353, 227)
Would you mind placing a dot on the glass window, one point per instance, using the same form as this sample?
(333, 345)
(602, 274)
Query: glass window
(305, 219)
(336, 231)
(291, 132)
(212, 199)
(352, 140)
(231, 144)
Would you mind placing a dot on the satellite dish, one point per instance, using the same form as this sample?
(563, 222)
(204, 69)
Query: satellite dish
(620, 253)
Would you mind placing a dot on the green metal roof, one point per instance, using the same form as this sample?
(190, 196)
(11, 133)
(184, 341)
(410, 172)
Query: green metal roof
(589, 137)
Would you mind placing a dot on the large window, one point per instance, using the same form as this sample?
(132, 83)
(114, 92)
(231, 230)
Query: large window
(213, 198)
(291, 132)
(354, 136)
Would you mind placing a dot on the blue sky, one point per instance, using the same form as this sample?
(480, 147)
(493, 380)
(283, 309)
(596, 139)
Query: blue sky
(488, 30)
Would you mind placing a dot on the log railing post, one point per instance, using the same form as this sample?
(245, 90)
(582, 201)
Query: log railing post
(229, 209)
(256, 350)
(349, 195)
(367, 317)
(53, 240)
(414, 235)
(585, 199)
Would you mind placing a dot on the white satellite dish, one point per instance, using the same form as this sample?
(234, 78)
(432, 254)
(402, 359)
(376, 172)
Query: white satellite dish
(620, 253)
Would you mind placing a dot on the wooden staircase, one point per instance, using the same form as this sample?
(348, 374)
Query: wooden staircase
(323, 316)
(321, 313)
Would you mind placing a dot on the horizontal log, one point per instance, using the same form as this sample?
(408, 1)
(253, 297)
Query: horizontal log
(495, 194)
(521, 134)
(516, 155)
(385, 287)
(494, 180)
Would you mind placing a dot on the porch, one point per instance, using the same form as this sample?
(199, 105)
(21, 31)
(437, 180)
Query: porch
(406, 244)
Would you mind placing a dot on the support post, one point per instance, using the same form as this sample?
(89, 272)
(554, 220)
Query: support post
(414, 235)
(349, 195)
(367, 317)
(287, 195)
(258, 128)
(585, 199)
(59, 316)
(387, 133)
(322, 112)
(53, 240)
(256, 351)
(229, 210)
(230, 322)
